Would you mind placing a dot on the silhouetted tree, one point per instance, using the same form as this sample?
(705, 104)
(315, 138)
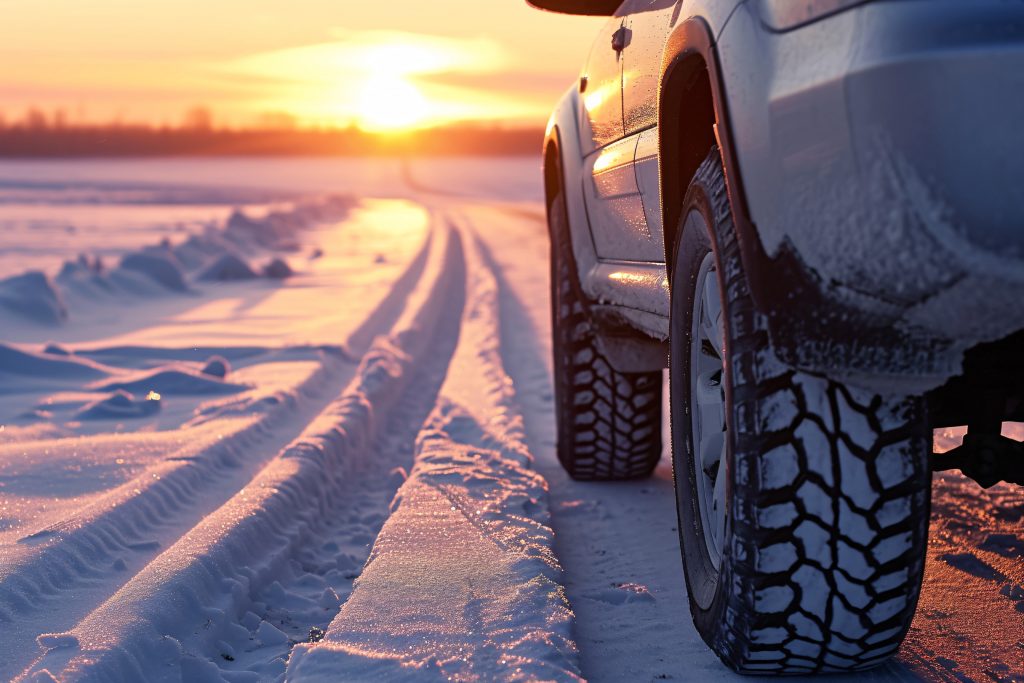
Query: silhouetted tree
(35, 119)
(276, 120)
(199, 118)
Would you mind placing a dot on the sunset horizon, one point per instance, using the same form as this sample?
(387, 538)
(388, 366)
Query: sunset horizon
(377, 68)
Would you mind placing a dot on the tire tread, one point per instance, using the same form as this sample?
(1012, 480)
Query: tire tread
(609, 422)
(826, 565)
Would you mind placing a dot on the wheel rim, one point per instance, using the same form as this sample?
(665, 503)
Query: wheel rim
(707, 398)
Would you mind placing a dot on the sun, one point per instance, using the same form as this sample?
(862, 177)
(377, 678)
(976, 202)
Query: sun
(389, 102)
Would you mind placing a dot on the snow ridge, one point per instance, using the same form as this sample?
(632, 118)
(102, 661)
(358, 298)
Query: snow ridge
(219, 253)
(462, 583)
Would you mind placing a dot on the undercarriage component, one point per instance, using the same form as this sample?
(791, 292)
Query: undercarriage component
(986, 458)
(989, 392)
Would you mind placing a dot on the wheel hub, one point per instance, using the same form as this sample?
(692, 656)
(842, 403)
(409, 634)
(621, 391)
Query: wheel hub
(707, 398)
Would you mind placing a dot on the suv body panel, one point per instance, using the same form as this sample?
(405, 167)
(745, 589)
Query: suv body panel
(883, 170)
(861, 233)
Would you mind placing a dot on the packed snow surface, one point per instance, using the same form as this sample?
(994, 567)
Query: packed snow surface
(299, 426)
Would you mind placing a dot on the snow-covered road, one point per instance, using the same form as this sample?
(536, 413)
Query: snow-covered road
(350, 474)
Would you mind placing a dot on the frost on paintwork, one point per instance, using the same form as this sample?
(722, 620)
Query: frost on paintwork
(898, 252)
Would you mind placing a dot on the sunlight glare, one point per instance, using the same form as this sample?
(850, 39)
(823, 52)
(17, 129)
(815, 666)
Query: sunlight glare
(384, 81)
(389, 102)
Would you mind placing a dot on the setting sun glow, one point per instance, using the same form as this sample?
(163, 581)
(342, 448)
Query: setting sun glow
(389, 103)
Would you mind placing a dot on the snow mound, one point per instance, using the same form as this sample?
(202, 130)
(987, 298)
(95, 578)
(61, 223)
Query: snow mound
(216, 253)
(158, 265)
(55, 349)
(269, 232)
(172, 380)
(119, 405)
(84, 278)
(277, 229)
(197, 250)
(48, 365)
(323, 210)
(227, 268)
(217, 366)
(277, 269)
(34, 296)
(83, 264)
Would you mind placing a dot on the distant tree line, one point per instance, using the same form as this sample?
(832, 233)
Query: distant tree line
(39, 135)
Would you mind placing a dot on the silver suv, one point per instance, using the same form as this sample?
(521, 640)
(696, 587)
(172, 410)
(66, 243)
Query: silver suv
(811, 212)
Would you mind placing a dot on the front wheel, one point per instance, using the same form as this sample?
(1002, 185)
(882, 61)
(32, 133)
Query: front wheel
(803, 502)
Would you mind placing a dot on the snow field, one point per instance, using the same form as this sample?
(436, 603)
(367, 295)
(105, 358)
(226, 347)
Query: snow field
(970, 619)
(214, 539)
(136, 633)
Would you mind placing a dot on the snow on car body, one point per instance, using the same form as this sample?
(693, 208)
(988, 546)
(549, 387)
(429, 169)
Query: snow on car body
(813, 208)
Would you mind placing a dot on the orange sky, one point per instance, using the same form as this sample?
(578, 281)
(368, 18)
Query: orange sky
(379, 63)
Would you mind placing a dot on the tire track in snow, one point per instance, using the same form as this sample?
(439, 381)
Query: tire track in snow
(126, 634)
(462, 583)
(308, 591)
(127, 527)
(618, 542)
(61, 582)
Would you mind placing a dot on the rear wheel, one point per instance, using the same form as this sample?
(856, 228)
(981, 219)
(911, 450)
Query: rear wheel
(803, 501)
(609, 422)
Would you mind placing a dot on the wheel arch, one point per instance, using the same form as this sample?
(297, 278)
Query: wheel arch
(553, 178)
(563, 167)
(626, 347)
(692, 116)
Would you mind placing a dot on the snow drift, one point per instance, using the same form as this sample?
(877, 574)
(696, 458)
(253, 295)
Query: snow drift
(216, 254)
(34, 296)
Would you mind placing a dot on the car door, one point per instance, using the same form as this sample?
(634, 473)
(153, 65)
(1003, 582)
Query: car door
(601, 90)
(615, 201)
(649, 23)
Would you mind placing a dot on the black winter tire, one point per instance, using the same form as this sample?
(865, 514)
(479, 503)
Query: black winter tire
(826, 490)
(609, 422)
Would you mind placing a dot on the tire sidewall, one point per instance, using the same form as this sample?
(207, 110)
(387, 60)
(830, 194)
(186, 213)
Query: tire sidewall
(560, 260)
(609, 422)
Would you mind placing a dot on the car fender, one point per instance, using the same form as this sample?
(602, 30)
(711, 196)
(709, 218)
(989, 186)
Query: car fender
(563, 132)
